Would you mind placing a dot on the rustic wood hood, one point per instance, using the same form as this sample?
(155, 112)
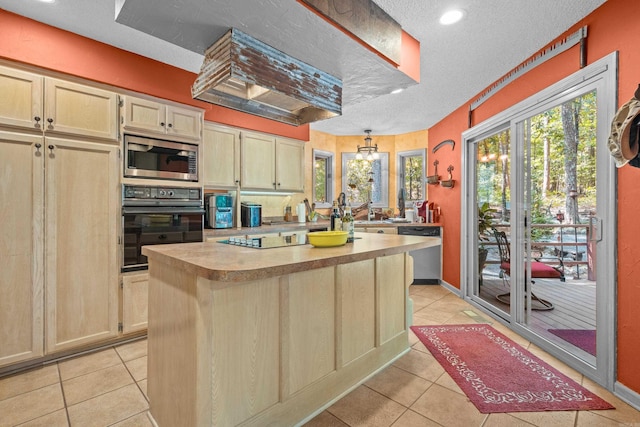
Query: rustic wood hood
(245, 74)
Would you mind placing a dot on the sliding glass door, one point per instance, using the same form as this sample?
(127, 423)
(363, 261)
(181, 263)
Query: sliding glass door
(540, 219)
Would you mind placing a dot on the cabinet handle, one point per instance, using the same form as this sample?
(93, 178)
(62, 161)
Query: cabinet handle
(278, 184)
(162, 124)
(37, 119)
(38, 145)
(50, 120)
(380, 231)
(237, 181)
(51, 147)
(170, 125)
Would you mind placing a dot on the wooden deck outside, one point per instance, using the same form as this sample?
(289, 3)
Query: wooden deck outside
(574, 302)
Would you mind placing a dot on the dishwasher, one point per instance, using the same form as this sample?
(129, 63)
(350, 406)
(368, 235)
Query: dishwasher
(427, 262)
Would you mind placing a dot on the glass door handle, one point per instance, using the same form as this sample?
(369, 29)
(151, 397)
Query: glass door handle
(595, 229)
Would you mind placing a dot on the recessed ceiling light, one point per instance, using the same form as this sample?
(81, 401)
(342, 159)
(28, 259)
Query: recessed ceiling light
(47, 1)
(397, 90)
(451, 16)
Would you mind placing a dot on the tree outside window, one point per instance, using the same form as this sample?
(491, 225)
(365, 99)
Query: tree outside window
(410, 167)
(322, 178)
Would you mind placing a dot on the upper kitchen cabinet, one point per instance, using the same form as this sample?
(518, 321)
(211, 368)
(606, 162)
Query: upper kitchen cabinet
(76, 109)
(49, 105)
(21, 95)
(220, 156)
(270, 163)
(289, 165)
(178, 123)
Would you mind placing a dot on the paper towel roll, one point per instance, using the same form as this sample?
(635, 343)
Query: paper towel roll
(302, 212)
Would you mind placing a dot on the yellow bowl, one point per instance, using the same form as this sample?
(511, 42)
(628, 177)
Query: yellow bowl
(326, 239)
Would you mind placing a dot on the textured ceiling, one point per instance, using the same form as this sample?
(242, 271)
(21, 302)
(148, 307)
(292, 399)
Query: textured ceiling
(457, 61)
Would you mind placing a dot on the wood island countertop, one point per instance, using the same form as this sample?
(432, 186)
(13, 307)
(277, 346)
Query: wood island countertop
(227, 263)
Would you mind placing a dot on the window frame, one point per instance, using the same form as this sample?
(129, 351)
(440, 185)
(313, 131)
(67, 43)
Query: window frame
(384, 172)
(400, 156)
(329, 158)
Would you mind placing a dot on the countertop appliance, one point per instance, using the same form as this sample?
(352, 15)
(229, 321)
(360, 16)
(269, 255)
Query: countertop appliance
(219, 210)
(427, 262)
(157, 158)
(250, 214)
(266, 242)
(158, 215)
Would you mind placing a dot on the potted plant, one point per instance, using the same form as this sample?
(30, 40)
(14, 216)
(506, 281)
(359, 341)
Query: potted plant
(485, 225)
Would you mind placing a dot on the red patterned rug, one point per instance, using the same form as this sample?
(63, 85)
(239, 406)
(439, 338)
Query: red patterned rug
(581, 338)
(498, 375)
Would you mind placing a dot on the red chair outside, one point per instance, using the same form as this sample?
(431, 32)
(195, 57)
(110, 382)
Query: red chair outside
(539, 270)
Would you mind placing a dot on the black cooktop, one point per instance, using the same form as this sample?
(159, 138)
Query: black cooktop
(266, 242)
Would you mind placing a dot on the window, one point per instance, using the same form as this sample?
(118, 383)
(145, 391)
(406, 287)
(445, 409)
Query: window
(323, 172)
(411, 175)
(366, 180)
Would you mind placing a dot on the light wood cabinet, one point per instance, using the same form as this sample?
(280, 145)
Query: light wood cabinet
(270, 163)
(289, 165)
(257, 164)
(53, 106)
(59, 203)
(81, 249)
(150, 116)
(21, 248)
(220, 156)
(21, 95)
(134, 302)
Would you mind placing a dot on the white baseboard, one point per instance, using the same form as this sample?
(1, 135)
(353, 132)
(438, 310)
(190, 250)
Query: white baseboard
(626, 394)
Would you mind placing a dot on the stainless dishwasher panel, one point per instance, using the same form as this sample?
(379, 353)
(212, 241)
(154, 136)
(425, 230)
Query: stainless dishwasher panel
(427, 263)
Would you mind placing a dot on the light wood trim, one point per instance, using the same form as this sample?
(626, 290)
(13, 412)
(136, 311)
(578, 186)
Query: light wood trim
(82, 217)
(21, 94)
(22, 278)
(135, 302)
(80, 110)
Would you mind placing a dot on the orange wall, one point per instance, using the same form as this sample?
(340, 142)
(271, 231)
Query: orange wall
(31, 42)
(611, 27)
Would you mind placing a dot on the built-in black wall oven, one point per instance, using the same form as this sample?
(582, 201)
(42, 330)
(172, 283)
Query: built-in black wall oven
(158, 215)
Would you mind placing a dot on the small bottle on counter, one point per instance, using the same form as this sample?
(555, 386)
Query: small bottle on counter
(347, 224)
(336, 220)
(288, 216)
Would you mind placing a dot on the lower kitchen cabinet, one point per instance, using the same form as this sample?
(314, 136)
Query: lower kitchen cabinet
(59, 202)
(134, 302)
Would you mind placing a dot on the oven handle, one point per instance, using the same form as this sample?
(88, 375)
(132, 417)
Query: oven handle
(161, 210)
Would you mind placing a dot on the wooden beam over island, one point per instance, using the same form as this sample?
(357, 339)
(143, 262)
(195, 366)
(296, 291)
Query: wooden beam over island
(243, 336)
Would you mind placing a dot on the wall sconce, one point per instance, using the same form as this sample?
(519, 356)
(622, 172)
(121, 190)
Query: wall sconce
(450, 182)
(435, 178)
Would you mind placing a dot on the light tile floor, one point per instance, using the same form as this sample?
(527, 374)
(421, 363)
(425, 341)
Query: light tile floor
(108, 388)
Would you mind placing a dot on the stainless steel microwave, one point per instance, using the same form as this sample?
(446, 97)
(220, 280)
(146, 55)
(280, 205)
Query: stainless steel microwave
(157, 158)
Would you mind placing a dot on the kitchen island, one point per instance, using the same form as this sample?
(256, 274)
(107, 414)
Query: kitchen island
(272, 336)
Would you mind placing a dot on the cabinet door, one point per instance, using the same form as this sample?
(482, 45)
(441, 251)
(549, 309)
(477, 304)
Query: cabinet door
(75, 109)
(289, 165)
(258, 161)
(135, 302)
(220, 156)
(81, 223)
(145, 115)
(184, 123)
(21, 95)
(21, 280)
